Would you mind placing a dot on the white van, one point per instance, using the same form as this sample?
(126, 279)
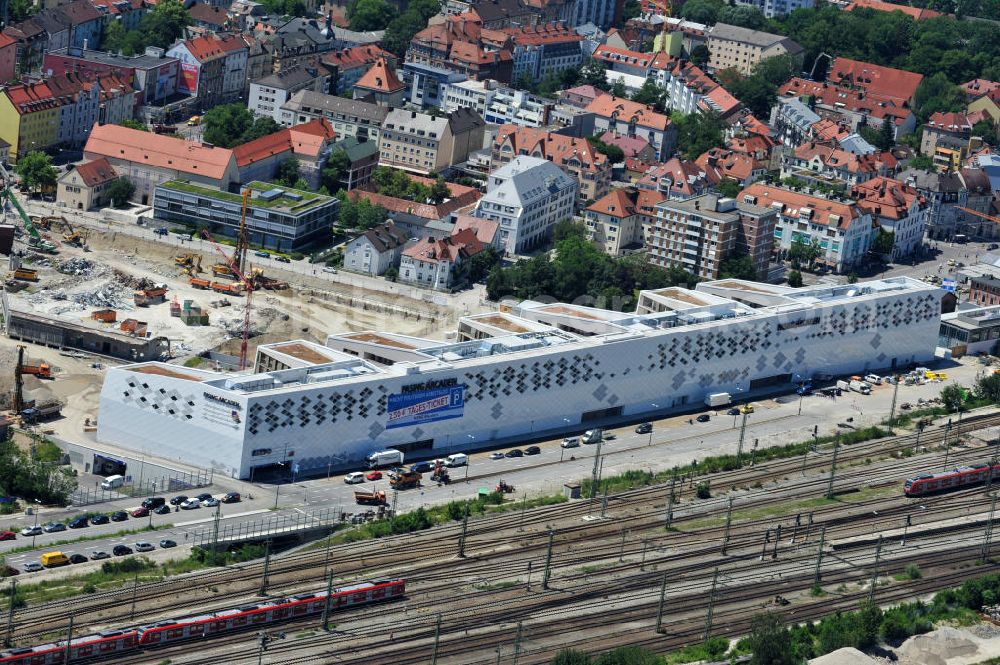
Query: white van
(458, 459)
(112, 482)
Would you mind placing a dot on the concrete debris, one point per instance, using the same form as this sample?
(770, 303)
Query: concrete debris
(937, 647)
(113, 295)
(76, 266)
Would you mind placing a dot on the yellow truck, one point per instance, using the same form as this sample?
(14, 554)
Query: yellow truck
(53, 559)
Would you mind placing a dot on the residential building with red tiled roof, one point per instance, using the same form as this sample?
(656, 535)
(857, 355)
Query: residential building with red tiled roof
(725, 163)
(348, 65)
(718, 100)
(821, 164)
(309, 143)
(754, 145)
(575, 156)
(856, 106)
(898, 85)
(8, 57)
(581, 95)
(381, 84)
(976, 88)
(126, 12)
(543, 49)
(623, 60)
(86, 186)
(627, 118)
(433, 263)
(207, 17)
(213, 67)
(916, 13)
(632, 146)
(898, 208)
(149, 159)
(456, 45)
(946, 130)
(678, 179)
(618, 221)
(843, 230)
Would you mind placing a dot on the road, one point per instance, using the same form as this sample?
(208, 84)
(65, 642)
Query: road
(673, 442)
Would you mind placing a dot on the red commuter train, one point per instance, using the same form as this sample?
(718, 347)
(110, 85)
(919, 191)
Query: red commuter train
(964, 476)
(258, 615)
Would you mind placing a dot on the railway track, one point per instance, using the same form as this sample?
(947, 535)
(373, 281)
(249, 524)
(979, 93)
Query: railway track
(393, 554)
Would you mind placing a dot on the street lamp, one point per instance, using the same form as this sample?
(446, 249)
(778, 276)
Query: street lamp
(467, 463)
(801, 390)
(655, 406)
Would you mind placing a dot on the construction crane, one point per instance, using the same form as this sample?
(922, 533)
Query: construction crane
(239, 258)
(247, 284)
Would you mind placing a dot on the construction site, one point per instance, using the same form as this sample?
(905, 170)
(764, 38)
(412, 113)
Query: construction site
(77, 299)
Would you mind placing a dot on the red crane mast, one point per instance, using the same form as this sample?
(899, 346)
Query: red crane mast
(248, 285)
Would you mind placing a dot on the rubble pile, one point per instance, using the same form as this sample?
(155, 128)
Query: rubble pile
(110, 295)
(76, 266)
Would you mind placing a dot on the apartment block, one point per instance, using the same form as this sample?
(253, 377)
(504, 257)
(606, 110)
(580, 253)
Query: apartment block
(348, 117)
(735, 47)
(422, 144)
(619, 221)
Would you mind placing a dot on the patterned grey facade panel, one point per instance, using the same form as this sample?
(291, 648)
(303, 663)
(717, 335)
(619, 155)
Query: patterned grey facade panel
(169, 402)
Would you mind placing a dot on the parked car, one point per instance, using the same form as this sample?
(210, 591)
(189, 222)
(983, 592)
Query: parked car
(191, 504)
(8, 535)
(52, 527)
(422, 467)
(33, 567)
(332, 271)
(166, 543)
(532, 450)
(746, 408)
(282, 259)
(121, 550)
(97, 555)
(231, 497)
(100, 519)
(571, 442)
(204, 496)
(354, 477)
(162, 510)
(143, 546)
(210, 502)
(78, 558)
(733, 412)
(517, 452)
(644, 428)
(374, 475)
(119, 516)
(992, 246)
(79, 522)
(153, 502)
(496, 455)
(873, 379)
(178, 500)
(32, 531)
(703, 418)
(139, 512)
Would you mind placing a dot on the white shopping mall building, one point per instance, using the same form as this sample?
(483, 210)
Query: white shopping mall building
(505, 376)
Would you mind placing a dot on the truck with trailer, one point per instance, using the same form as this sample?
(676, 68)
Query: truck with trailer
(715, 400)
(384, 458)
(41, 411)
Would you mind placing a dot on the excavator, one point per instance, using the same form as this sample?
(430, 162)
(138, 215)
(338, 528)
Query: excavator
(71, 236)
(35, 240)
(190, 264)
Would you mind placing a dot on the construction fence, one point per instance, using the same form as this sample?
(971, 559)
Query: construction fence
(178, 481)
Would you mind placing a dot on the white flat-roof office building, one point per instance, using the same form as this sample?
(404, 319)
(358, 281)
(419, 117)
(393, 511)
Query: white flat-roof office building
(541, 367)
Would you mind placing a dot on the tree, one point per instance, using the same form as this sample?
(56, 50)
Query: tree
(392, 273)
(628, 656)
(571, 657)
(884, 240)
(370, 214)
(886, 134)
(769, 641)
(795, 279)
(922, 162)
(439, 191)
(402, 28)
(337, 165)
(631, 10)
(702, 11)
(738, 267)
(594, 72)
(369, 14)
(728, 188)
(32, 479)
(226, 124)
(165, 23)
(482, 264)
(937, 94)
(697, 132)
(20, 10)
(985, 130)
(651, 94)
(869, 620)
(262, 126)
(801, 252)
(120, 191)
(134, 124)
(618, 88)
(36, 171)
(952, 396)
(287, 172)
(615, 154)
(988, 387)
(743, 15)
(700, 55)
(567, 228)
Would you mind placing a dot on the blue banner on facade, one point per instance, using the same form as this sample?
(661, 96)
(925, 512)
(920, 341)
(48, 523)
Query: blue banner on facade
(425, 406)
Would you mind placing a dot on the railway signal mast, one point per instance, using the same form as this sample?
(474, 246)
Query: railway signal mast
(247, 284)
